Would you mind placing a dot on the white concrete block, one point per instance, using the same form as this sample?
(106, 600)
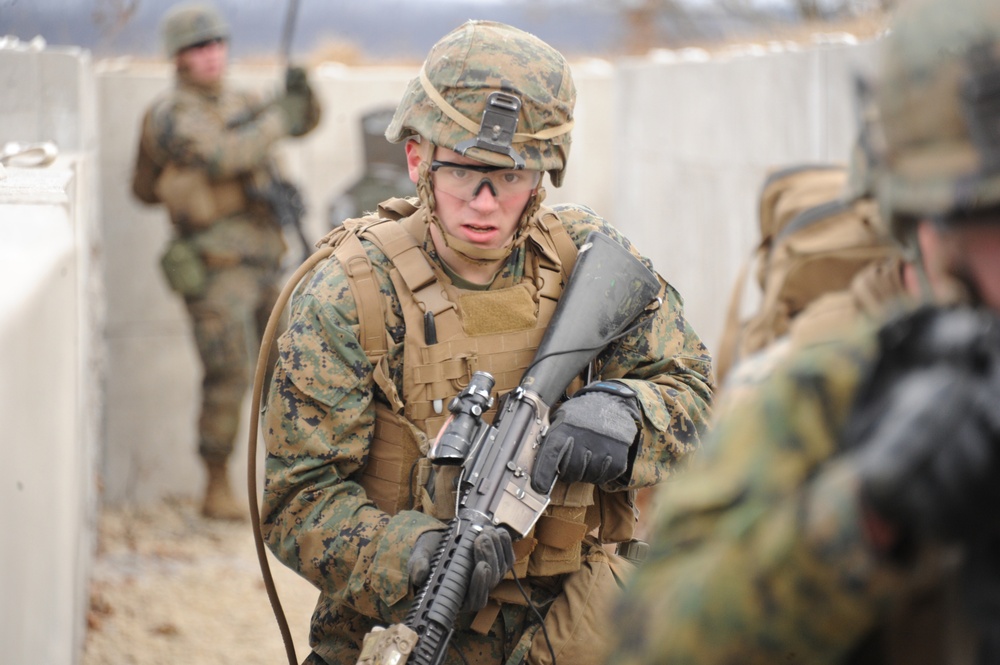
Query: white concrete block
(47, 479)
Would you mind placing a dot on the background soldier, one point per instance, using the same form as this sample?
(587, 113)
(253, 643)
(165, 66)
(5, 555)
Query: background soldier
(386, 332)
(205, 153)
(845, 512)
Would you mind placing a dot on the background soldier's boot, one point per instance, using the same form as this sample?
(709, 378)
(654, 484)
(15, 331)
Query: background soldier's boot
(219, 500)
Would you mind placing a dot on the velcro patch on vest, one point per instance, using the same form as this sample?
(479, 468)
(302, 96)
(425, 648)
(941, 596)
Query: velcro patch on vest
(492, 312)
(561, 533)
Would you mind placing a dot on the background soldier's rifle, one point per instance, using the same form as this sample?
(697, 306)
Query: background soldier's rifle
(281, 196)
(607, 290)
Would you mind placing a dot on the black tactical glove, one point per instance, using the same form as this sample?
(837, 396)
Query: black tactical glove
(297, 102)
(295, 108)
(590, 437)
(926, 426)
(493, 555)
(296, 81)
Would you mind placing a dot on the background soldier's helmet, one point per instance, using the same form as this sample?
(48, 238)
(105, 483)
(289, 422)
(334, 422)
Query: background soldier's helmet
(189, 24)
(447, 102)
(937, 104)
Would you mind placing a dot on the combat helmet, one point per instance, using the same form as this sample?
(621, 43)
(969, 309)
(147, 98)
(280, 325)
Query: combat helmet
(493, 93)
(937, 105)
(189, 24)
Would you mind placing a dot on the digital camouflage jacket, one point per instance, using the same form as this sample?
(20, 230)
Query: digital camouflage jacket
(759, 554)
(317, 519)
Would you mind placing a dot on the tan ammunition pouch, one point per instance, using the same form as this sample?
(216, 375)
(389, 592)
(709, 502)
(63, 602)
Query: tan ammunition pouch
(194, 201)
(470, 337)
(578, 625)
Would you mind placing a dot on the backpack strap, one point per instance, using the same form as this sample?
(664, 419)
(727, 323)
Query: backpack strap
(566, 249)
(368, 300)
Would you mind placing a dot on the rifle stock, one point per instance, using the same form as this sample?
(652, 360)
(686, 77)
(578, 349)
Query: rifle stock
(607, 290)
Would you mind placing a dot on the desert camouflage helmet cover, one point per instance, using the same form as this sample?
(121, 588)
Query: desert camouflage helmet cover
(938, 107)
(446, 102)
(188, 24)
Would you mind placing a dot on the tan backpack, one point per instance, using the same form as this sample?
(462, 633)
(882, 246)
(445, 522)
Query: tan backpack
(814, 239)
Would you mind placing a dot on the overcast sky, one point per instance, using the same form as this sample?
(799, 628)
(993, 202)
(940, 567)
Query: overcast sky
(120, 27)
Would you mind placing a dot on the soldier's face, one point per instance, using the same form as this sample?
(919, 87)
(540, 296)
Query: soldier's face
(981, 247)
(486, 220)
(969, 252)
(204, 63)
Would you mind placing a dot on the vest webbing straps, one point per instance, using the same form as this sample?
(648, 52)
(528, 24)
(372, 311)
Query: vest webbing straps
(565, 247)
(371, 315)
(399, 243)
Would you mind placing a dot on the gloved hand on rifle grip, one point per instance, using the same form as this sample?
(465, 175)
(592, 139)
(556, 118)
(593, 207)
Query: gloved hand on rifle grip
(296, 81)
(297, 102)
(295, 107)
(590, 437)
(493, 554)
(926, 430)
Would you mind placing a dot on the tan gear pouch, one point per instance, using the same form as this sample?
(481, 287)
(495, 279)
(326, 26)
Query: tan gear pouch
(394, 461)
(184, 269)
(187, 195)
(578, 625)
(193, 200)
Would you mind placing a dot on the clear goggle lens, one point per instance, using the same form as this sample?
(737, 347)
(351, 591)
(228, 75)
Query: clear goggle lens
(466, 180)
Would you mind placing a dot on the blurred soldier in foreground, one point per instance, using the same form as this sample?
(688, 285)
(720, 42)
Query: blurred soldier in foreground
(846, 512)
(205, 153)
(385, 333)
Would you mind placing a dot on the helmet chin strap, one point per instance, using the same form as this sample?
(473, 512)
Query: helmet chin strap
(478, 256)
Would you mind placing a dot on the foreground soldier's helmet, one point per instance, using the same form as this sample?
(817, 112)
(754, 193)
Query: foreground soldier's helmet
(495, 94)
(937, 101)
(189, 24)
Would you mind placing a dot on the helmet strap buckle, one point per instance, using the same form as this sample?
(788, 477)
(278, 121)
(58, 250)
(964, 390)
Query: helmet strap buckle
(497, 128)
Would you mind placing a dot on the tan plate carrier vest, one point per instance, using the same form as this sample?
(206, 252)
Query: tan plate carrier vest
(471, 335)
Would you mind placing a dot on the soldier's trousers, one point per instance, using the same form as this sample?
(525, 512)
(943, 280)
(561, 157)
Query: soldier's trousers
(228, 321)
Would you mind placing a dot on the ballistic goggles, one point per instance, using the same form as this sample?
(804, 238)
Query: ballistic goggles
(464, 181)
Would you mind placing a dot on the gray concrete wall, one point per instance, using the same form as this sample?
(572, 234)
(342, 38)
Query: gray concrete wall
(699, 139)
(51, 396)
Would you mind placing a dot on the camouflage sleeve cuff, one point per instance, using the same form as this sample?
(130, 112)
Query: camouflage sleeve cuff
(651, 403)
(387, 575)
(651, 406)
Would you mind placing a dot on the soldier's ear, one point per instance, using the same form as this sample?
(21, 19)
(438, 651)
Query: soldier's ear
(416, 153)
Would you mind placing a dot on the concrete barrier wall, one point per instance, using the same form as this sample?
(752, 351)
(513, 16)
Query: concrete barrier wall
(51, 342)
(699, 139)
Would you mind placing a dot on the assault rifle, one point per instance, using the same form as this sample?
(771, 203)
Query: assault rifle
(287, 205)
(282, 197)
(607, 290)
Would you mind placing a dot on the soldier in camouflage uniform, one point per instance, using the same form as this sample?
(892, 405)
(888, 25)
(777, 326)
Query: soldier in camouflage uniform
(362, 380)
(845, 512)
(205, 153)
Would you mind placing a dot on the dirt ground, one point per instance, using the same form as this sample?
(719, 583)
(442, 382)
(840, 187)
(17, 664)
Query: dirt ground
(172, 587)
